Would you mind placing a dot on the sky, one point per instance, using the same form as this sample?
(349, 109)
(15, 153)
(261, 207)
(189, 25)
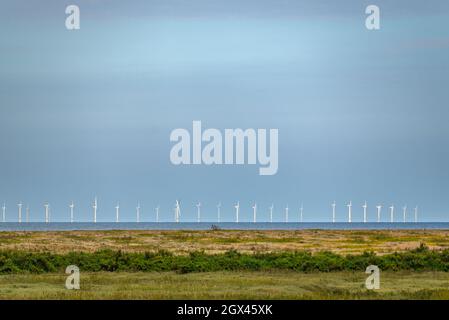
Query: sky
(362, 115)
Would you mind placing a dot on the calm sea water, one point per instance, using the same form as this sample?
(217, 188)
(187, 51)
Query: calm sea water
(61, 226)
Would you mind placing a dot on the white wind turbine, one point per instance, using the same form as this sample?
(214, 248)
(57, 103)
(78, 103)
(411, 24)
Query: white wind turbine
(4, 212)
(333, 211)
(117, 212)
(177, 211)
(416, 214)
(365, 206)
(271, 213)
(157, 213)
(138, 212)
(198, 211)
(301, 211)
(379, 209)
(404, 214)
(27, 217)
(95, 207)
(237, 208)
(349, 205)
(392, 213)
(19, 205)
(255, 212)
(72, 206)
(47, 212)
(286, 214)
(219, 211)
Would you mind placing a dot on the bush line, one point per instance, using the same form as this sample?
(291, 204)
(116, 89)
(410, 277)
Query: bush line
(420, 259)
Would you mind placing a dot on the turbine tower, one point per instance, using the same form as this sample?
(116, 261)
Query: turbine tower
(379, 209)
(349, 205)
(138, 212)
(72, 205)
(47, 212)
(19, 205)
(4, 212)
(237, 207)
(95, 207)
(271, 213)
(255, 212)
(117, 212)
(286, 214)
(392, 213)
(416, 214)
(301, 211)
(218, 211)
(177, 211)
(27, 217)
(365, 206)
(333, 211)
(198, 211)
(404, 213)
(157, 213)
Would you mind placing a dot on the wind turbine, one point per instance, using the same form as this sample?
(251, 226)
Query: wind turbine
(333, 211)
(349, 205)
(138, 212)
(19, 205)
(379, 209)
(198, 212)
(255, 212)
(301, 210)
(117, 212)
(392, 213)
(237, 207)
(177, 211)
(404, 213)
(416, 214)
(271, 213)
(365, 206)
(4, 212)
(95, 207)
(27, 217)
(157, 213)
(218, 211)
(286, 214)
(47, 212)
(72, 205)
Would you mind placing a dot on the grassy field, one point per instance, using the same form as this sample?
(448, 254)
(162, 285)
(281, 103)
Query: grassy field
(235, 264)
(182, 242)
(227, 285)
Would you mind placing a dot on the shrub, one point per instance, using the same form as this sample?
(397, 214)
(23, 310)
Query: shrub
(420, 259)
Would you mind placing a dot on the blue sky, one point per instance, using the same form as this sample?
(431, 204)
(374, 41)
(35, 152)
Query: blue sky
(362, 115)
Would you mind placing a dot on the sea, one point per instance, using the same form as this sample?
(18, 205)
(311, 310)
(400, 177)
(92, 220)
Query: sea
(67, 226)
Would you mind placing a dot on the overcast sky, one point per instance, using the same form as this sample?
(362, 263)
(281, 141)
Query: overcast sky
(362, 115)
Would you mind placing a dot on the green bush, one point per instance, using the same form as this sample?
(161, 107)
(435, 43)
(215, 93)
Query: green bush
(420, 259)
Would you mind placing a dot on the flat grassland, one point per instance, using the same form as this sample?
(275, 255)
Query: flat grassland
(227, 286)
(183, 242)
(242, 284)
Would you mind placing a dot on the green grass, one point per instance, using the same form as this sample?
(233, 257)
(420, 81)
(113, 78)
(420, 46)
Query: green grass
(227, 285)
(414, 274)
